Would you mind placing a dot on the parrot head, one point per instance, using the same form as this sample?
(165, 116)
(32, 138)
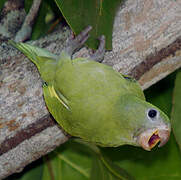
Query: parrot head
(156, 130)
(147, 124)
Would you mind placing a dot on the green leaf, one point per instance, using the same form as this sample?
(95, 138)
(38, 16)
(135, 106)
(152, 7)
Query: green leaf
(99, 171)
(104, 168)
(176, 109)
(71, 161)
(97, 13)
(27, 5)
(40, 27)
(2, 4)
(79, 160)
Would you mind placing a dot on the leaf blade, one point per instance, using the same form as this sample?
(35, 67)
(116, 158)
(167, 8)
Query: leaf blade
(176, 109)
(99, 14)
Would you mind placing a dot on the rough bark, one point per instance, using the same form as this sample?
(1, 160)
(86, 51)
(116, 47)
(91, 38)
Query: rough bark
(146, 45)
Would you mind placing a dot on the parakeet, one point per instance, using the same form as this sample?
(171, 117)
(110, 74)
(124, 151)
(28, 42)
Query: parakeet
(92, 101)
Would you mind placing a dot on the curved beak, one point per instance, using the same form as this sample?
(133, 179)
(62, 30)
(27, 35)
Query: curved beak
(151, 137)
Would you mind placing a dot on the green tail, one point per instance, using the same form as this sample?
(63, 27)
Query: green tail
(34, 53)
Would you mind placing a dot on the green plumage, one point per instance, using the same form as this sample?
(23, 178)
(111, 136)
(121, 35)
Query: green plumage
(92, 101)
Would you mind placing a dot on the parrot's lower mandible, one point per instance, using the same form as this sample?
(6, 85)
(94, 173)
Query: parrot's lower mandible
(92, 101)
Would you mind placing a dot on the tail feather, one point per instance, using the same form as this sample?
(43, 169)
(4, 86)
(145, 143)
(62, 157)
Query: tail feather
(32, 52)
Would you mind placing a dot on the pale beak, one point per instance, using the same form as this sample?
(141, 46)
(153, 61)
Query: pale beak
(151, 137)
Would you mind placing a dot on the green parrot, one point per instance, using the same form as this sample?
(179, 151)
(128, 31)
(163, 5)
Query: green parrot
(92, 101)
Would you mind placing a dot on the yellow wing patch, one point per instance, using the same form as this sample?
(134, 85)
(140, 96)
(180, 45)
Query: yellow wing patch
(54, 94)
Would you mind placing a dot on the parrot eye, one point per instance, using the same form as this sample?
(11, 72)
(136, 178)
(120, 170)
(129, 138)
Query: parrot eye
(152, 113)
(129, 78)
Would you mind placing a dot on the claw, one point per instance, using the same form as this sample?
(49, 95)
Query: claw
(78, 41)
(99, 54)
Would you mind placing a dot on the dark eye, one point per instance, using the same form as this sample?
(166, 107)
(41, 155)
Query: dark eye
(129, 78)
(45, 84)
(152, 113)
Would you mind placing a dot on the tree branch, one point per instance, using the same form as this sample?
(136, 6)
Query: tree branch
(25, 32)
(146, 45)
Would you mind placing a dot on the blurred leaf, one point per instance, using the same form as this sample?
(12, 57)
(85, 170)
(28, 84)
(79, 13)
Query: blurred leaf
(161, 163)
(32, 171)
(103, 168)
(74, 161)
(2, 4)
(99, 171)
(176, 109)
(99, 14)
(71, 161)
(27, 5)
(51, 166)
(41, 25)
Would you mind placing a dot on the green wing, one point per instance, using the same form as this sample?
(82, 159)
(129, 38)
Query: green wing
(56, 103)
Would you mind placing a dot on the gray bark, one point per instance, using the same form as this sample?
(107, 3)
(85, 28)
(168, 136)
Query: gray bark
(146, 45)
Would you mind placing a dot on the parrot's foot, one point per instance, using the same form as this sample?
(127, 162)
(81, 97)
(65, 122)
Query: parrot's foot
(99, 53)
(78, 42)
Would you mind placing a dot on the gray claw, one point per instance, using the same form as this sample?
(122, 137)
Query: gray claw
(78, 42)
(99, 54)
